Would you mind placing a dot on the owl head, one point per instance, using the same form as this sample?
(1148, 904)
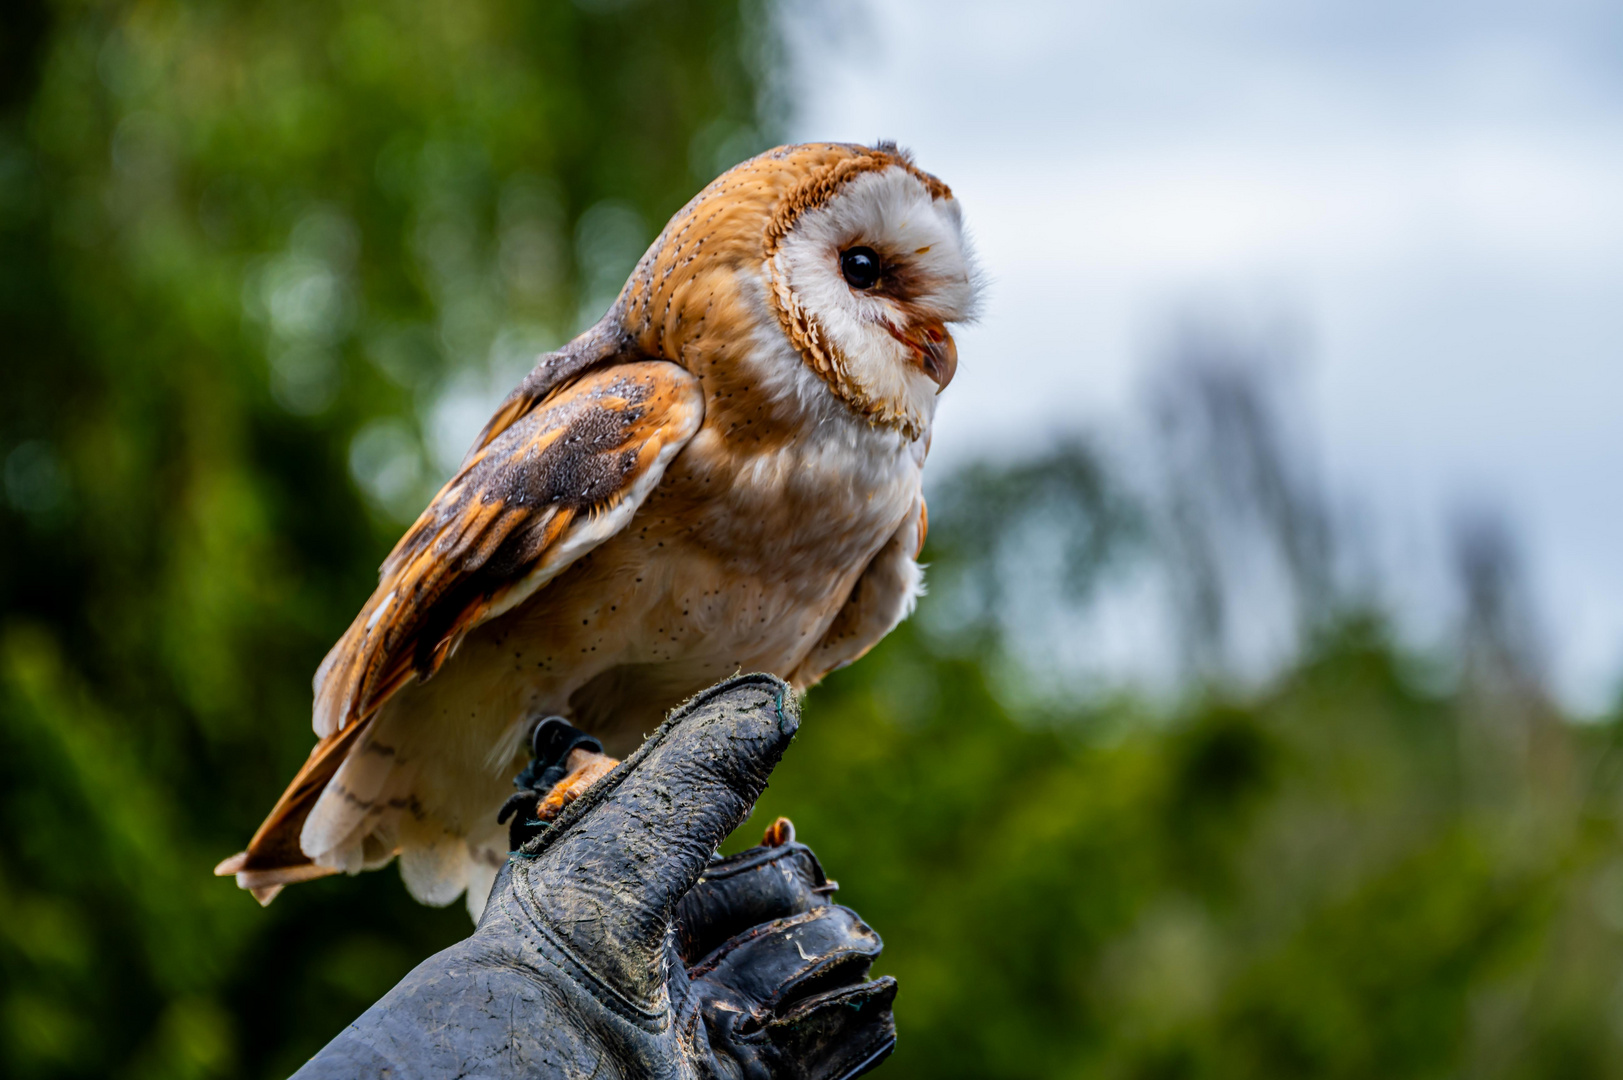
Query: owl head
(826, 274)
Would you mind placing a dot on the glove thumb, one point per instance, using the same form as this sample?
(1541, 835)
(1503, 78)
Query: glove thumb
(605, 879)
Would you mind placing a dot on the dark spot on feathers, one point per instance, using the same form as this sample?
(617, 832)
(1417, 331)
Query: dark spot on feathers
(574, 457)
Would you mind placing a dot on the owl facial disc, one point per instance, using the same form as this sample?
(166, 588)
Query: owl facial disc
(871, 266)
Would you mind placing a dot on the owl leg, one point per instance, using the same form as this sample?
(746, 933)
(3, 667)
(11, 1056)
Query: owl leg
(565, 761)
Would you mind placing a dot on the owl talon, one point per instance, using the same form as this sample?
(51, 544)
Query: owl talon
(587, 767)
(564, 762)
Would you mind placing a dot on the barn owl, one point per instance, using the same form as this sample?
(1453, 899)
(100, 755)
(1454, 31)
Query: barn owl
(722, 475)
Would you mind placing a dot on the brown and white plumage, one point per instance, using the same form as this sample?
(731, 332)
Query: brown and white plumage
(724, 474)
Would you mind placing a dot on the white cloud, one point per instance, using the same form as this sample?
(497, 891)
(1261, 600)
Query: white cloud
(1432, 188)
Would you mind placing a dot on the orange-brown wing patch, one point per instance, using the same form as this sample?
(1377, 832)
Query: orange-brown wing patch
(493, 526)
(539, 494)
(603, 344)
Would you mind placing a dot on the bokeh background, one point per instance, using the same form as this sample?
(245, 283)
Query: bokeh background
(1262, 719)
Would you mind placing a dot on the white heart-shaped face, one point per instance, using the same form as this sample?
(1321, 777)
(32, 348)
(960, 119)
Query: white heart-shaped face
(869, 326)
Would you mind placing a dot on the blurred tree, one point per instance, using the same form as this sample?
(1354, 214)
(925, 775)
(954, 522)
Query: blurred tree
(1311, 878)
(262, 267)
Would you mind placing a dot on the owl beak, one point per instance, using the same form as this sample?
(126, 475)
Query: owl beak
(934, 349)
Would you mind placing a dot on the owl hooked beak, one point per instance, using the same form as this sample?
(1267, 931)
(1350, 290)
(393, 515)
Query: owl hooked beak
(933, 349)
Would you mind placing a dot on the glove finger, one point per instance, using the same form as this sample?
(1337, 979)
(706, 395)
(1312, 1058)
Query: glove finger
(744, 890)
(836, 1035)
(610, 870)
(768, 968)
(792, 998)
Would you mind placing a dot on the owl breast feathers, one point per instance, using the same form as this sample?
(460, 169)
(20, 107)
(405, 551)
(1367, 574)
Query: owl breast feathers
(723, 474)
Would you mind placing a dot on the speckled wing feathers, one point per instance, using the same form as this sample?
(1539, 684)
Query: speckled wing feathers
(551, 483)
(495, 524)
(602, 345)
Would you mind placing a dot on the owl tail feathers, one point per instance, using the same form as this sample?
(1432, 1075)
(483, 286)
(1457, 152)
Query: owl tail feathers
(351, 808)
(274, 857)
(265, 884)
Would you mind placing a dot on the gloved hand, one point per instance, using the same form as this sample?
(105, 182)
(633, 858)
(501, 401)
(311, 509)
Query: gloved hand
(614, 945)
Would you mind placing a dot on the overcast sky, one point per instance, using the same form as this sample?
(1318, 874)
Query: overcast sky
(1432, 192)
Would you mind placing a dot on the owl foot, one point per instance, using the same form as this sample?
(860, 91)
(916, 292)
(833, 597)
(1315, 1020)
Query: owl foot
(565, 761)
(586, 767)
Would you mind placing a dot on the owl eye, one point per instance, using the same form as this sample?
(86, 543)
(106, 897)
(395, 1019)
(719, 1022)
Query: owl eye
(861, 268)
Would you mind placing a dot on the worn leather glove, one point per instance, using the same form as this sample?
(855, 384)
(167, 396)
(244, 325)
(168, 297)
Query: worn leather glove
(615, 944)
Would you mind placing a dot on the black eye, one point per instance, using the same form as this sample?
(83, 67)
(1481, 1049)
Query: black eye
(860, 265)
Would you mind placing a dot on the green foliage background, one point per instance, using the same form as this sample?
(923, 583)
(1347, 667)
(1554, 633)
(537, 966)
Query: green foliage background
(260, 263)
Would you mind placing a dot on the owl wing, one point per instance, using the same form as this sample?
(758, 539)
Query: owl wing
(883, 596)
(549, 480)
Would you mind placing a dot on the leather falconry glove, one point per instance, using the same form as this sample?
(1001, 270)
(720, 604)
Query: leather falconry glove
(615, 944)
